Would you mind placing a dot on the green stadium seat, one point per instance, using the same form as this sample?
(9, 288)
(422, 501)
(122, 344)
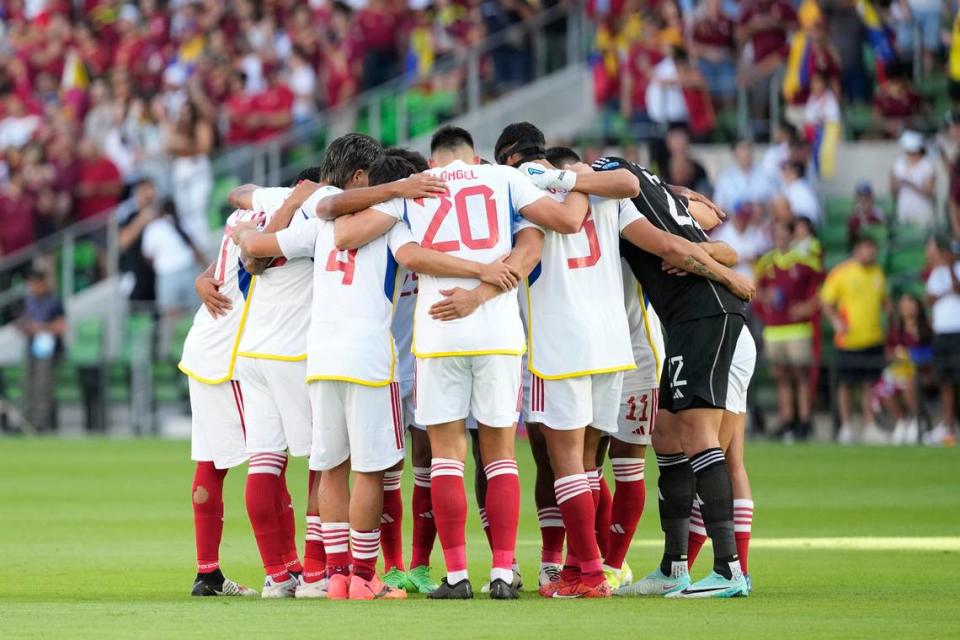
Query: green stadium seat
(838, 209)
(857, 120)
(87, 346)
(932, 86)
(833, 236)
(178, 335)
(907, 261)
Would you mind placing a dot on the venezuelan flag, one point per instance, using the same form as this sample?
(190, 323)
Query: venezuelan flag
(879, 35)
(799, 62)
(74, 72)
(826, 137)
(420, 55)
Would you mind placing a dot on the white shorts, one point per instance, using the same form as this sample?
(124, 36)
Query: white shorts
(217, 417)
(574, 403)
(637, 417)
(276, 405)
(742, 364)
(364, 424)
(455, 387)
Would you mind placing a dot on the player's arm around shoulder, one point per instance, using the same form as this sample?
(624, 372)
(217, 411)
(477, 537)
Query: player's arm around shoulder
(354, 230)
(419, 185)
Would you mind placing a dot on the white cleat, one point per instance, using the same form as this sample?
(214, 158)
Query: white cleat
(285, 589)
(231, 588)
(316, 589)
(846, 435)
(657, 584)
(911, 433)
(549, 572)
(899, 436)
(874, 436)
(940, 436)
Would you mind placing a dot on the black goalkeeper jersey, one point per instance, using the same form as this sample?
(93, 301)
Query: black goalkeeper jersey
(675, 299)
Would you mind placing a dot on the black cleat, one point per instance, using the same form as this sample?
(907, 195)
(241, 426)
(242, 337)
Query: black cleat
(500, 590)
(208, 584)
(460, 591)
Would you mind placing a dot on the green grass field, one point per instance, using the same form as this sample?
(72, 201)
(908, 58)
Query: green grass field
(96, 541)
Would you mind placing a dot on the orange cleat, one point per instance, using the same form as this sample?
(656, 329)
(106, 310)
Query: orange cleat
(580, 590)
(338, 587)
(374, 589)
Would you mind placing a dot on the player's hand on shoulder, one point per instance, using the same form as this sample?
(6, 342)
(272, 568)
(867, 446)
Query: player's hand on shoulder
(580, 167)
(208, 290)
(500, 274)
(695, 196)
(457, 303)
(672, 270)
(421, 185)
(741, 286)
(552, 180)
(237, 231)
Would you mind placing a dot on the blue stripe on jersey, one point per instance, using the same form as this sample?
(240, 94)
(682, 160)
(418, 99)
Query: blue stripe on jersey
(514, 217)
(305, 216)
(534, 274)
(243, 279)
(405, 218)
(390, 278)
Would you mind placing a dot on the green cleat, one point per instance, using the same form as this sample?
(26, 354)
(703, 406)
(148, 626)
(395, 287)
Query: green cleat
(397, 579)
(419, 580)
(715, 586)
(612, 576)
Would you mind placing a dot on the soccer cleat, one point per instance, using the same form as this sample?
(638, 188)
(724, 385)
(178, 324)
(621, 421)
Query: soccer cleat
(626, 574)
(655, 584)
(419, 579)
(617, 578)
(940, 436)
(463, 590)
(517, 583)
(316, 589)
(549, 572)
(846, 435)
(397, 579)
(285, 589)
(874, 435)
(215, 584)
(338, 587)
(746, 577)
(580, 590)
(715, 586)
(500, 590)
(374, 589)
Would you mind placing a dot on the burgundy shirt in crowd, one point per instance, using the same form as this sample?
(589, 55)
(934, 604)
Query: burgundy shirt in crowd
(377, 29)
(773, 38)
(792, 278)
(902, 105)
(17, 221)
(271, 100)
(99, 172)
(714, 32)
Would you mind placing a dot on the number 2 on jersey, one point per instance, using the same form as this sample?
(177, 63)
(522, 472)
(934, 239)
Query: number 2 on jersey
(590, 228)
(334, 263)
(459, 205)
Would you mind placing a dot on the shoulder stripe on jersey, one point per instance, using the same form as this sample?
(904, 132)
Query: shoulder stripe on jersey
(405, 217)
(243, 279)
(535, 273)
(390, 277)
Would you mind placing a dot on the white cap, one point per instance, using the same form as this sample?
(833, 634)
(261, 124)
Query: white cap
(911, 141)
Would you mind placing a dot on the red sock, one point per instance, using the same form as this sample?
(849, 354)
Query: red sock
(291, 557)
(551, 534)
(424, 526)
(365, 549)
(314, 555)
(604, 513)
(626, 509)
(449, 501)
(391, 522)
(262, 497)
(698, 534)
(576, 505)
(485, 525)
(336, 542)
(742, 524)
(208, 515)
(503, 510)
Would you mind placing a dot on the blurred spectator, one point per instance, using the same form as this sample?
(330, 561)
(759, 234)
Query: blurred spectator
(713, 45)
(854, 296)
(908, 347)
(17, 126)
(272, 109)
(787, 304)
(664, 99)
(822, 108)
(302, 80)
(805, 240)
(99, 184)
(819, 58)
(765, 26)
(511, 60)
(377, 26)
(913, 182)
(848, 36)
(743, 181)
(949, 147)
(865, 214)
(926, 16)
(17, 216)
(190, 141)
(943, 296)
(133, 216)
(895, 103)
(778, 152)
(44, 325)
(746, 237)
(641, 58)
(678, 167)
(797, 199)
(952, 40)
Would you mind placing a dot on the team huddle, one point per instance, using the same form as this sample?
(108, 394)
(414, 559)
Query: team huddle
(385, 295)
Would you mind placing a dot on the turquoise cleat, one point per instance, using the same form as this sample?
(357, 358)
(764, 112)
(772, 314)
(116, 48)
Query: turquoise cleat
(715, 586)
(655, 584)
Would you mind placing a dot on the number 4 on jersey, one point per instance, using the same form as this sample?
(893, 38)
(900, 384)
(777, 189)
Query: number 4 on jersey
(334, 263)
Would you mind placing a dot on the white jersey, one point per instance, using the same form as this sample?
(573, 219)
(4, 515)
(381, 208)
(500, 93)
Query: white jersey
(402, 328)
(210, 349)
(577, 324)
(279, 316)
(476, 221)
(646, 335)
(353, 293)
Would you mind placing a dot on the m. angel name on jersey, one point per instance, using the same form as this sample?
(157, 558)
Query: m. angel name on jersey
(710, 358)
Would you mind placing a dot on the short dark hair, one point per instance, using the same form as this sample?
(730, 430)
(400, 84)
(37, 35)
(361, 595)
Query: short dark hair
(865, 238)
(416, 159)
(797, 167)
(389, 168)
(310, 173)
(450, 138)
(35, 273)
(346, 155)
(523, 138)
(560, 156)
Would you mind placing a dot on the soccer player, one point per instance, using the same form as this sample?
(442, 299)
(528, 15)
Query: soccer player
(710, 358)
(473, 366)
(577, 362)
(216, 405)
(357, 420)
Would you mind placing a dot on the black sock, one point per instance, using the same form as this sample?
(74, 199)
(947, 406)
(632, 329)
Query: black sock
(716, 495)
(214, 577)
(676, 491)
